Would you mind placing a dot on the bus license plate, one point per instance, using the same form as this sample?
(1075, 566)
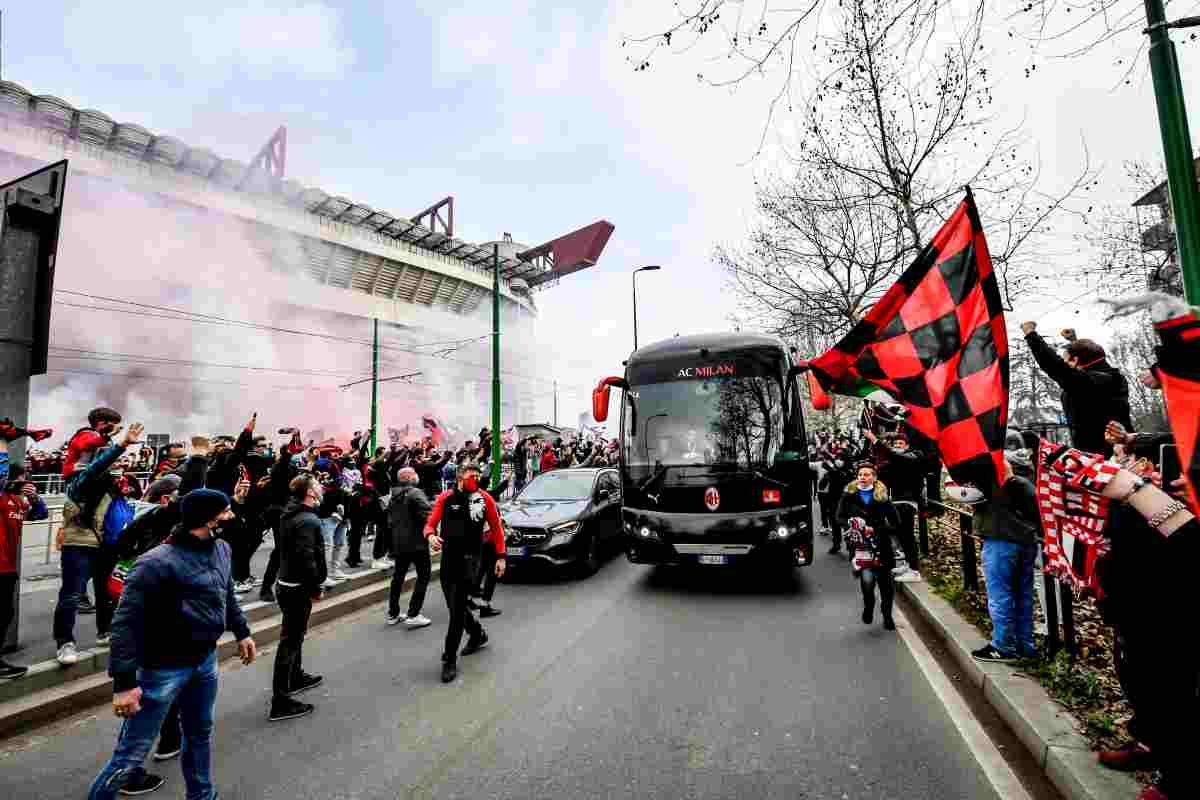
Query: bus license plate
(718, 560)
(516, 552)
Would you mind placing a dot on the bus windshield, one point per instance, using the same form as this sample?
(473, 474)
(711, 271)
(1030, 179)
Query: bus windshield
(715, 420)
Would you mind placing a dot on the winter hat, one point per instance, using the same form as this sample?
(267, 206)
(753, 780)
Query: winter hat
(200, 507)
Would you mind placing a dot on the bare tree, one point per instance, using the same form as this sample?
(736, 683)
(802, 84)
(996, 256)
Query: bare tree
(1132, 351)
(895, 128)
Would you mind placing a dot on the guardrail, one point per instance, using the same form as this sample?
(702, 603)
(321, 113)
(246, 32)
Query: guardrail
(1057, 598)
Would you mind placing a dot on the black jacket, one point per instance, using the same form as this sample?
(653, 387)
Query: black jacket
(902, 472)
(407, 514)
(1091, 398)
(430, 474)
(147, 531)
(224, 470)
(301, 547)
(879, 514)
(1011, 514)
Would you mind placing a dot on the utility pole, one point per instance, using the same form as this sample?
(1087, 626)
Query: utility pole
(374, 383)
(1177, 146)
(495, 481)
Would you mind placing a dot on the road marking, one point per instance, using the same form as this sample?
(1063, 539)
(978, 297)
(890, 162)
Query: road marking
(998, 773)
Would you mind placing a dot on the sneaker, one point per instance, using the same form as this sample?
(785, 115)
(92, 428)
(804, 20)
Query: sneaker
(1134, 756)
(418, 621)
(380, 563)
(989, 653)
(306, 682)
(898, 571)
(833, 551)
(68, 654)
(394, 619)
(449, 671)
(889, 624)
(243, 587)
(85, 606)
(104, 640)
(909, 576)
(868, 615)
(488, 611)
(340, 576)
(166, 752)
(475, 645)
(141, 782)
(330, 583)
(267, 595)
(9, 672)
(286, 708)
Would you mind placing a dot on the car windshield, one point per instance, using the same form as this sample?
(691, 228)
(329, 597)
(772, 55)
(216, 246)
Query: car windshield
(722, 420)
(559, 486)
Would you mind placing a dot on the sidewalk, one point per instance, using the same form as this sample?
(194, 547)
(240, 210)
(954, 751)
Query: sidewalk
(39, 596)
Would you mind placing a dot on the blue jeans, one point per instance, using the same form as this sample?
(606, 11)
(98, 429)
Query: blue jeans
(79, 565)
(1008, 571)
(334, 532)
(195, 691)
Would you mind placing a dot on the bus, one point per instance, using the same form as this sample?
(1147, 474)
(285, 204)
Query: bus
(713, 453)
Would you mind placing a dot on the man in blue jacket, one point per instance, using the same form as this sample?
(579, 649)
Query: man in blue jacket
(177, 602)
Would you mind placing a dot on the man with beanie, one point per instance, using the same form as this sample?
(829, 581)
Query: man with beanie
(456, 529)
(302, 572)
(407, 513)
(176, 603)
(1093, 391)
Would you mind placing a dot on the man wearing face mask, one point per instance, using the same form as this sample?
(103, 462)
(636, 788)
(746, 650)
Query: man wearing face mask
(175, 605)
(302, 573)
(456, 529)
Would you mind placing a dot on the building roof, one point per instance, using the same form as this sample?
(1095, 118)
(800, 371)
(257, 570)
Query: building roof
(133, 141)
(1158, 195)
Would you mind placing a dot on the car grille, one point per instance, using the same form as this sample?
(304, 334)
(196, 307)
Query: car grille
(525, 536)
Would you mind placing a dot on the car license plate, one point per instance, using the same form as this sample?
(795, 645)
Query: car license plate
(713, 560)
(516, 552)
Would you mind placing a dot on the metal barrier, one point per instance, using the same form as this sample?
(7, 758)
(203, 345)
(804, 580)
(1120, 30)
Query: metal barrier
(51, 483)
(1058, 605)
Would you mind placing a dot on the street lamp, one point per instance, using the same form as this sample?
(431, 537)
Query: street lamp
(649, 268)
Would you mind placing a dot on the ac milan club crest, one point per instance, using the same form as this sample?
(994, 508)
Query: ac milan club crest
(712, 498)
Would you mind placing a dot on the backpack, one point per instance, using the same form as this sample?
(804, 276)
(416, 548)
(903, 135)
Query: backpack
(116, 519)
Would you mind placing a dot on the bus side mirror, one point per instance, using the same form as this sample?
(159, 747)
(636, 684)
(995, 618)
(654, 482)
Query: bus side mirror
(600, 397)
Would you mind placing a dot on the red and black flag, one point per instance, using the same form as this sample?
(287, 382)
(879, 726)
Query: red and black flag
(936, 343)
(1179, 372)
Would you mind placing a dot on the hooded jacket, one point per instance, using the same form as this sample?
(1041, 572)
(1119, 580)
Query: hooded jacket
(177, 601)
(879, 514)
(301, 547)
(407, 514)
(89, 494)
(1092, 396)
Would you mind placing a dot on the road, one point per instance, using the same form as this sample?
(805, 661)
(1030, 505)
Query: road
(633, 683)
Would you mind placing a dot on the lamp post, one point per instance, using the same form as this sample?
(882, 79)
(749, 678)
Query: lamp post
(649, 268)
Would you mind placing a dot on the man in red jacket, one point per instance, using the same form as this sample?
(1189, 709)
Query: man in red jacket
(102, 426)
(18, 501)
(456, 529)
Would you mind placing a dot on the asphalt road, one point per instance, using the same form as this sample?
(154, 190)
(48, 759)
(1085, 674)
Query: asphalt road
(633, 683)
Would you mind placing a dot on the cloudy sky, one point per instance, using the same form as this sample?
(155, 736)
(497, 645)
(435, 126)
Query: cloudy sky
(529, 114)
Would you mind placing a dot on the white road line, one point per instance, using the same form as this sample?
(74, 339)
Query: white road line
(998, 773)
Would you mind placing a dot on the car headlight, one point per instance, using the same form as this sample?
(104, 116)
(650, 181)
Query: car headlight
(561, 534)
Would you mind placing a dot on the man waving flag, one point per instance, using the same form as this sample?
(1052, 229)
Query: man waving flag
(936, 343)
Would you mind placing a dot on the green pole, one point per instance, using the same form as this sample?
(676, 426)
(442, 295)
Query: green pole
(1177, 148)
(495, 366)
(374, 384)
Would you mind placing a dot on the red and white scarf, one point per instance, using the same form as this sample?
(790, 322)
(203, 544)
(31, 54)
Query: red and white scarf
(1074, 514)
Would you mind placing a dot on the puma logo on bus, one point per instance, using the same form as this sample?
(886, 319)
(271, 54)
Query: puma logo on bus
(706, 372)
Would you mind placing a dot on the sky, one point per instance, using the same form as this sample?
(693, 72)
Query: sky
(530, 116)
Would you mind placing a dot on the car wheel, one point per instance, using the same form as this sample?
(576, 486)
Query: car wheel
(589, 564)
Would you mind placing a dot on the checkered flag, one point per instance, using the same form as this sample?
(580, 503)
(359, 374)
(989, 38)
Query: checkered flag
(936, 342)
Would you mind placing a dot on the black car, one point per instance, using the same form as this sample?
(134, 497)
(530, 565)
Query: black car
(565, 517)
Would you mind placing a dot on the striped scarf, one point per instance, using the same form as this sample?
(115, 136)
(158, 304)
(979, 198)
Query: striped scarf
(1074, 514)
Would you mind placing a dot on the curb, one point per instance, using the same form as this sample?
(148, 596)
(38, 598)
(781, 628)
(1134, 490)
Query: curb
(1049, 733)
(51, 692)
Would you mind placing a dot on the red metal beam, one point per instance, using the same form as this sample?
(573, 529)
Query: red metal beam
(577, 250)
(435, 216)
